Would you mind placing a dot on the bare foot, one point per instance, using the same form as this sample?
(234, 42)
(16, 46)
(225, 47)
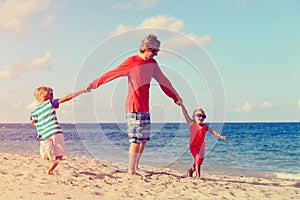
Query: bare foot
(190, 173)
(140, 171)
(134, 174)
(50, 171)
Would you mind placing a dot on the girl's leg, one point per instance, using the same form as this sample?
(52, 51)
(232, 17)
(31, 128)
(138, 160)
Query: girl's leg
(198, 175)
(198, 168)
(195, 153)
(191, 171)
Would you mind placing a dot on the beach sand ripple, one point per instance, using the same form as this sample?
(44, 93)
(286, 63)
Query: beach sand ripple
(25, 177)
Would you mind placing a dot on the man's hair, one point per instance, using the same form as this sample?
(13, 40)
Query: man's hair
(149, 42)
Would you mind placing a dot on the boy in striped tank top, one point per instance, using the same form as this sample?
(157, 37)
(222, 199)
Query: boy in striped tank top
(43, 117)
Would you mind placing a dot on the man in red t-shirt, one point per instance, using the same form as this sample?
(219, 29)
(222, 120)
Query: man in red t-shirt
(139, 69)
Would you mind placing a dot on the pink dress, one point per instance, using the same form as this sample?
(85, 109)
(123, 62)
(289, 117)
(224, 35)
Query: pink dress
(197, 143)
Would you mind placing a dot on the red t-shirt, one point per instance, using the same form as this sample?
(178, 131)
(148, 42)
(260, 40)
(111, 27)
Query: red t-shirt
(197, 135)
(139, 73)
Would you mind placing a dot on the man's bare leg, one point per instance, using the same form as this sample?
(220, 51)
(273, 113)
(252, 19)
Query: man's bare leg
(140, 152)
(132, 157)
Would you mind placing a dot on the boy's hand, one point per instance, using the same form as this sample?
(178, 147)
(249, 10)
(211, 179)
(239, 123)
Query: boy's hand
(38, 137)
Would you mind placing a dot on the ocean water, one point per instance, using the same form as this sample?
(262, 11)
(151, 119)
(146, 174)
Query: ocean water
(259, 149)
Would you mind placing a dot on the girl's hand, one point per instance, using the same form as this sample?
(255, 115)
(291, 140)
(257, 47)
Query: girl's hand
(223, 137)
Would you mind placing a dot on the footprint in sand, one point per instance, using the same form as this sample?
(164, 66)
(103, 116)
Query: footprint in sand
(49, 193)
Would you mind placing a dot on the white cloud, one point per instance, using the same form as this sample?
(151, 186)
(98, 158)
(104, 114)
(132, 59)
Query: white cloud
(299, 103)
(40, 62)
(180, 41)
(167, 22)
(138, 4)
(36, 63)
(204, 40)
(10, 71)
(162, 21)
(13, 14)
(120, 28)
(247, 107)
(266, 104)
(158, 21)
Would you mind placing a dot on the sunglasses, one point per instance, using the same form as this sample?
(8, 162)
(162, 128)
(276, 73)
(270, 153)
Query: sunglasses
(154, 51)
(201, 115)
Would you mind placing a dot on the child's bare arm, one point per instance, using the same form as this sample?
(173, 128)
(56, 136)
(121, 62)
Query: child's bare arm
(72, 95)
(186, 115)
(32, 122)
(216, 133)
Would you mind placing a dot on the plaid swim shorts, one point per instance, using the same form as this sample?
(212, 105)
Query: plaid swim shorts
(139, 125)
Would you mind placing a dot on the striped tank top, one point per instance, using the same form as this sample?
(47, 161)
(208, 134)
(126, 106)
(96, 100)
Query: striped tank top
(45, 120)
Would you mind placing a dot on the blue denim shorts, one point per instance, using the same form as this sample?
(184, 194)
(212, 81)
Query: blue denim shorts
(139, 125)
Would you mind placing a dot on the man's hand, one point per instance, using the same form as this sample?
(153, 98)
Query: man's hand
(87, 88)
(179, 101)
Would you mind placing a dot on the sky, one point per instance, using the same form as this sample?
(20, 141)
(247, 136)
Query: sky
(237, 59)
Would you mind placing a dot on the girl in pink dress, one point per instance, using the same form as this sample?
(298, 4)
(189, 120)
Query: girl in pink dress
(197, 138)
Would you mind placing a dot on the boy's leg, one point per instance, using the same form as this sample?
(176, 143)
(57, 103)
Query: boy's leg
(50, 156)
(46, 149)
(53, 166)
(58, 146)
(55, 162)
(58, 143)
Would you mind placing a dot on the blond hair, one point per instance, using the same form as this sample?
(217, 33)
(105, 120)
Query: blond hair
(41, 93)
(198, 109)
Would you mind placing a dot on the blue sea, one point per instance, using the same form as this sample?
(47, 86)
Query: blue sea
(255, 149)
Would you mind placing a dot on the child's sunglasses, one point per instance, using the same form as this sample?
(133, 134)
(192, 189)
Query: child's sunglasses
(201, 115)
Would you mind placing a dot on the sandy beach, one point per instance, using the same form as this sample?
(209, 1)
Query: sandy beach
(25, 177)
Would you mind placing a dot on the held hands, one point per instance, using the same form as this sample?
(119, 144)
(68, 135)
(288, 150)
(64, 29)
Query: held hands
(87, 88)
(223, 137)
(179, 102)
